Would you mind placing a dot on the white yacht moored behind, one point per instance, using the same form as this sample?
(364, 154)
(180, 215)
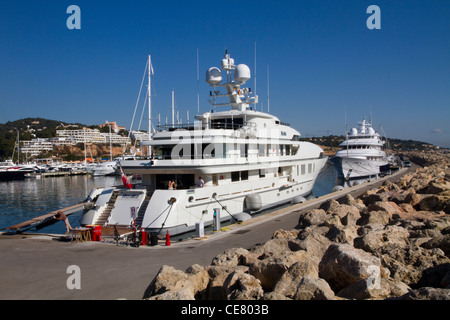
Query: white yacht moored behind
(361, 153)
(225, 163)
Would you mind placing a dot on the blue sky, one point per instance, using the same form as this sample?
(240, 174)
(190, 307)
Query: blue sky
(325, 64)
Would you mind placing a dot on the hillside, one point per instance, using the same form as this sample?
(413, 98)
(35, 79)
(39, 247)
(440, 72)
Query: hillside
(27, 129)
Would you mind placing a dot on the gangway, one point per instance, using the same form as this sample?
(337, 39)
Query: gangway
(47, 219)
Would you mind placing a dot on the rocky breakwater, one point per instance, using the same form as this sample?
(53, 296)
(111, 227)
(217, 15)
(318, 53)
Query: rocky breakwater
(392, 242)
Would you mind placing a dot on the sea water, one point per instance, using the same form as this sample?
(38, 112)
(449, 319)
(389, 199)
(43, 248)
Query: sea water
(22, 200)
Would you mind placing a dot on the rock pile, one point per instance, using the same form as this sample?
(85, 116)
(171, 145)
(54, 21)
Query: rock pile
(392, 242)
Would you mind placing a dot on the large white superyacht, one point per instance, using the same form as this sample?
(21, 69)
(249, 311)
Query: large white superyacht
(229, 163)
(361, 153)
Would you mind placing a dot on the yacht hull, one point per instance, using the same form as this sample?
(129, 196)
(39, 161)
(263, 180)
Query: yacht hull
(178, 211)
(350, 168)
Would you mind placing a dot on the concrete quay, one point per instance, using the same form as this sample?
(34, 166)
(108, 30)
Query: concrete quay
(34, 266)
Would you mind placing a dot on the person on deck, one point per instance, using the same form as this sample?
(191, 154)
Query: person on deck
(62, 217)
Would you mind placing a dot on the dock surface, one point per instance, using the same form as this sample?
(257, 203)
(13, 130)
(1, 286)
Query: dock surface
(35, 267)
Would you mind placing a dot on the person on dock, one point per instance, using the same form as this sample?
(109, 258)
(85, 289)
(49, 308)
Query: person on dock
(62, 217)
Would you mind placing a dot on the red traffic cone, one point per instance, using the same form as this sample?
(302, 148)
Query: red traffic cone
(167, 238)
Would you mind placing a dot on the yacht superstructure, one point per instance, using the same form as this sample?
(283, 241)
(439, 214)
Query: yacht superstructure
(227, 163)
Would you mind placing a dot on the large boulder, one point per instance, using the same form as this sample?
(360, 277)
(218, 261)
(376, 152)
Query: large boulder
(312, 242)
(374, 240)
(408, 196)
(231, 257)
(269, 270)
(343, 265)
(242, 286)
(311, 218)
(216, 289)
(172, 284)
(412, 265)
(433, 202)
(427, 293)
(311, 288)
(289, 281)
(388, 206)
(442, 242)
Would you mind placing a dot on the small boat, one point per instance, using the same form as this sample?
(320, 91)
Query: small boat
(107, 168)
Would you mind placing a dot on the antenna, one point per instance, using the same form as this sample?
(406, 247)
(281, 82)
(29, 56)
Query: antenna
(173, 108)
(268, 92)
(198, 95)
(256, 104)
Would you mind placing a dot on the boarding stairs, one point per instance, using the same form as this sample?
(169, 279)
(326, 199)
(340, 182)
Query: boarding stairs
(104, 216)
(142, 209)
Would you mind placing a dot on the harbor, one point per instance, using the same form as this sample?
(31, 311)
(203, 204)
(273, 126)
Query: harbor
(103, 276)
(228, 159)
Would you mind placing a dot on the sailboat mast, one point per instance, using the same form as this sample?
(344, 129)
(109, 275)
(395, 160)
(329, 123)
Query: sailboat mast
(149, 97)
(173, 108)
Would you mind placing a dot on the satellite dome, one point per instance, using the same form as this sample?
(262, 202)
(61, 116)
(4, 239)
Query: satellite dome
(242, 73)
(213, 76)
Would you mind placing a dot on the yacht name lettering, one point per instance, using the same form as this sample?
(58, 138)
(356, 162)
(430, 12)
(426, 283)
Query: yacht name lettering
(189, 310)
(283, 133)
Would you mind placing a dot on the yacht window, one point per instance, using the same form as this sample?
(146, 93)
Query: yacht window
(235, 176)
(303, 169)
(261, 149)
(262, 173)
(182, 181)
(309, 167)
(244, 175)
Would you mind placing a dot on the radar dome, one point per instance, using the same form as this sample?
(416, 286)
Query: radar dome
(371, 131)
(242, 73)
(213, 76)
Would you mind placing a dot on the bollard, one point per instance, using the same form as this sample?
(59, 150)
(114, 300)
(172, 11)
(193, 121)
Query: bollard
(200, 229)
(144, 237)
(216, 219)
(167, 238)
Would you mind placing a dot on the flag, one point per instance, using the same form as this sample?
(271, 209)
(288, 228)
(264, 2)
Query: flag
(125, 181)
